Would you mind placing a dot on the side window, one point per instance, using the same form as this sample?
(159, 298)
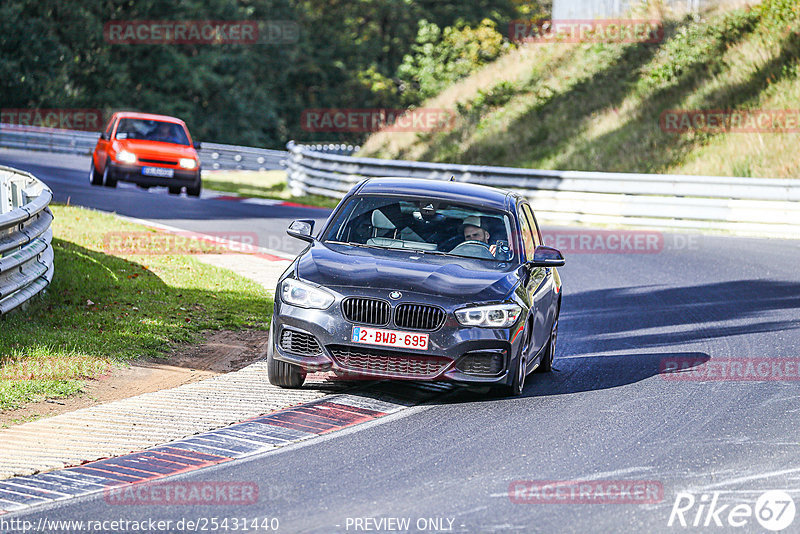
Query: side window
(527, 235)
(537, 235)
(109, 128)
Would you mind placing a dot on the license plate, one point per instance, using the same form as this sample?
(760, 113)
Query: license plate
(389, 338)
(161, 172)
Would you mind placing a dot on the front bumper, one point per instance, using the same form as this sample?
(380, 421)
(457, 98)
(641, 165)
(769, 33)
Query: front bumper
(133, 174)
(455, 353)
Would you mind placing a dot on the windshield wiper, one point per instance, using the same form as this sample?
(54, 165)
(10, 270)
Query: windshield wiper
(360, 245)
(434, 252)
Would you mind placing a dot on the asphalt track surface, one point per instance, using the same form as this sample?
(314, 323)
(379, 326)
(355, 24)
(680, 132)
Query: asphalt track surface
(607, 413)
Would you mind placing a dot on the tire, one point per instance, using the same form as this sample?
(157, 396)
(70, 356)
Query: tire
(108, 181)
(95, 178)
(174, 190)
(546, 365)
(282, 374)
(520, 372)
(195, 190)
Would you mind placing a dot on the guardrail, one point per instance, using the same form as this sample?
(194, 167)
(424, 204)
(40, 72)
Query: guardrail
(213, 156)
(48, 139)
(26, 254)
(757, 206)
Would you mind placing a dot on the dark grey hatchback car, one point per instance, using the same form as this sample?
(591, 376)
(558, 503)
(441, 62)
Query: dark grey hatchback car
(419, 280)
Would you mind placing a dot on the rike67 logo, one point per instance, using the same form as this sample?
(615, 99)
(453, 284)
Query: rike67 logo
(774, 510)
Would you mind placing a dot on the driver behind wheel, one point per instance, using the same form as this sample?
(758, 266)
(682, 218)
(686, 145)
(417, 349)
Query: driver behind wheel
(474, 231)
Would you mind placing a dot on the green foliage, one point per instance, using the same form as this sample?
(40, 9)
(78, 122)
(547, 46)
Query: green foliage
(441, 57)
(485, 101)
(692, 45)
(53, 55)
(599, 106)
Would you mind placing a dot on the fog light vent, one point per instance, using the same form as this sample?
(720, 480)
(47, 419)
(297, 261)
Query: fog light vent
(482, 363)
(299, 343)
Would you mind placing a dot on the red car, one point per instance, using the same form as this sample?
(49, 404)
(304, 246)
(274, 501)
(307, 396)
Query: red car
(148, 150)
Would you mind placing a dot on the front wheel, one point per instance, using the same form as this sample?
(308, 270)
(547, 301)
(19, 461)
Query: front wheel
(194, 191)
(95, 178)
(282, 374)
(108, 180)
(520, 372)
(549, 355)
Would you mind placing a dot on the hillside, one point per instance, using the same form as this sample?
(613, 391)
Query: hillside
(599, 106)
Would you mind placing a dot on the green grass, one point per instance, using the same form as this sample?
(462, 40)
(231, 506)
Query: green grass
(597, 106)
(261, 184)
(104, 309)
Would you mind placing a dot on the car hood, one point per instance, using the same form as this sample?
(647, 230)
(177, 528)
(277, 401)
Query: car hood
(465, 278)
(156, 149)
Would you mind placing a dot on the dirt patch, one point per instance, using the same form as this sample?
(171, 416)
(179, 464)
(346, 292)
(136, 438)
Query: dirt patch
(222, 352)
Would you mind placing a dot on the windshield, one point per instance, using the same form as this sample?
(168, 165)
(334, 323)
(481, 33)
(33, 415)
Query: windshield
(151, 130)
(428, 226)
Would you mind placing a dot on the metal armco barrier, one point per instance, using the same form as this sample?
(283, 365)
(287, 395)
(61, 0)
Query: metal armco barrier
(756, 206)
(26, 254)
(213, 156)
(48, 139)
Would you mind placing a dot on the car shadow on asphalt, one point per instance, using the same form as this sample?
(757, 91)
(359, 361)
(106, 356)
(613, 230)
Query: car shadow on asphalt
(634, 318)
(592, 373)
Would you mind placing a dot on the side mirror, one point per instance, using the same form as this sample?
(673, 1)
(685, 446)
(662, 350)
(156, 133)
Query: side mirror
(103, 136)
(547, 257)
(301, 229)
(198, 145)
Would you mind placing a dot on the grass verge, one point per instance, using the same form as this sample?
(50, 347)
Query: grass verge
(261, 184)
(105, 308)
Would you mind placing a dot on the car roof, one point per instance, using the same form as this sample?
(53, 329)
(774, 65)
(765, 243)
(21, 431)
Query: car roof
(441, 189)
(148, 116)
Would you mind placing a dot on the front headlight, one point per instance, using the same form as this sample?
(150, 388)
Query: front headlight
(123, 156)
(492, 316)
(305, 295)
(187, 163)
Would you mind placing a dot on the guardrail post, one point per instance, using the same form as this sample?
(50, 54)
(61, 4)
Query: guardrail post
(17, 199)
(5, 196)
